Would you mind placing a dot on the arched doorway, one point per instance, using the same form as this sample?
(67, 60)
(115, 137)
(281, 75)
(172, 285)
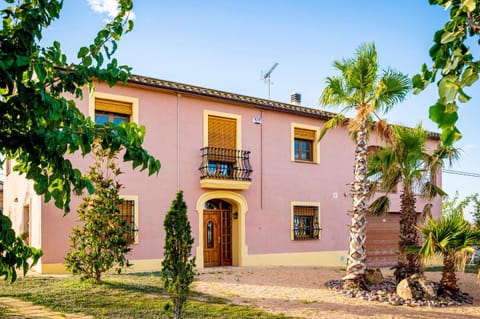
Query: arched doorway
(222, 200)
(217, 232)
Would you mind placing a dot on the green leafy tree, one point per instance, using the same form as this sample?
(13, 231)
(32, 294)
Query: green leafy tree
(363, 89)
(103, 239)
(475, 200)
(454, 62)
(452, 237)
(39, 122)
(14, 253)
(178, 266)
(407, 163)
(451, 204)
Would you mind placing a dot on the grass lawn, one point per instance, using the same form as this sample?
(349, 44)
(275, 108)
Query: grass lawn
(4, 313)
(119, 296)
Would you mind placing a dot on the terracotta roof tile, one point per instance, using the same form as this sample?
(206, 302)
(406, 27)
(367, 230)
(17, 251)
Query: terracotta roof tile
(233, 97)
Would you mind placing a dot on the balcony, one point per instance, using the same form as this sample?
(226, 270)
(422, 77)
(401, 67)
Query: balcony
(223, 168)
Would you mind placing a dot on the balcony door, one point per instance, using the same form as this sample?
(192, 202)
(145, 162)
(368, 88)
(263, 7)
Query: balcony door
(217, 232)
(222, 140)
(222, 132)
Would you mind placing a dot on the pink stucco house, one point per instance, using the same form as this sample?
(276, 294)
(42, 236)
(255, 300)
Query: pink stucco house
(260, 190)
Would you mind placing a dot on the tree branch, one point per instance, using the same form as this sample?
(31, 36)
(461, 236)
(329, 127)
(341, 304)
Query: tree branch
(472, 24)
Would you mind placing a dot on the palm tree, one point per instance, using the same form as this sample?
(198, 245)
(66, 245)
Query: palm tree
(406, 162)
(362, 89)
(453, 237)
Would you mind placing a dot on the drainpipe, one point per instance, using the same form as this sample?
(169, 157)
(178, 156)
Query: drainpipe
(261, 161)
(178, 140)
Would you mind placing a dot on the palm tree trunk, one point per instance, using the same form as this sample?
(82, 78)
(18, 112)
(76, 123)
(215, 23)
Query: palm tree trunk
(407, 263)
(448, 283)
(356, 260)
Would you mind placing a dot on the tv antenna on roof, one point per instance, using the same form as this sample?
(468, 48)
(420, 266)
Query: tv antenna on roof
(267, 77)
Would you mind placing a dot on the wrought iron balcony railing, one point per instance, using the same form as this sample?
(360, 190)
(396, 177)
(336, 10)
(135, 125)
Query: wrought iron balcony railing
(223, 163)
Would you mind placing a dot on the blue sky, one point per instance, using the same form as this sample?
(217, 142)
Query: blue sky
(226, 44)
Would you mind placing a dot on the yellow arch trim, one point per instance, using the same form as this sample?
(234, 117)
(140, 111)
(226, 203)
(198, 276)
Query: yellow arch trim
(240, 206)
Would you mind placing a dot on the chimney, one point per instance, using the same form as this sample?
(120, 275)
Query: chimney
(296, 99)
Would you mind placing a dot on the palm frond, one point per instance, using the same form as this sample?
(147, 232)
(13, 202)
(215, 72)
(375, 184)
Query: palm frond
(448, 234)
(393, 87)
(427, 211)
(335, 93)
(442, 154)
(431, 190)
(364, 72)
(380, 206)
(383, 165)
(384, 131)
(335, 121)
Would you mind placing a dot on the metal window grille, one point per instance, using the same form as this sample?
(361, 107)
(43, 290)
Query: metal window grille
(127, 212)
(305, 222)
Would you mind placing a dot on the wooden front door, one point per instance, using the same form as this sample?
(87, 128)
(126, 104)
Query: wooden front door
(217, 234)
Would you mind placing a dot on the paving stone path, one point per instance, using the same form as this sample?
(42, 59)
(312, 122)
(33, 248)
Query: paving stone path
(26, 310)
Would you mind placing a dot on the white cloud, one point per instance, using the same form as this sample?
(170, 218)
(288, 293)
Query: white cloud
(108, 7)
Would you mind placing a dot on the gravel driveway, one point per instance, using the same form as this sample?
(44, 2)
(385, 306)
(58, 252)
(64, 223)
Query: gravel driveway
(301, 292)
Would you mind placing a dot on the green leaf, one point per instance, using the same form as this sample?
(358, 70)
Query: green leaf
(448, 37)
(470, 5)
(87, 61)
(450, 135)
(469, 77)
(22, 60)
(447, 89)
(40, 72)
(448, 119)
(436, 112)
(418, 82)
(439, 115)
(129, 26)
(463, 97)
(82, 52)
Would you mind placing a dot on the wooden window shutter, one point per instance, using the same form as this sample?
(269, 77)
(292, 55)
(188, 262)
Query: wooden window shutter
(304, 134)
(113, 106)
(222, 132)
(305, 210)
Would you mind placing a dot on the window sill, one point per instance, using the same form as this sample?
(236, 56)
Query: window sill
(305, 162)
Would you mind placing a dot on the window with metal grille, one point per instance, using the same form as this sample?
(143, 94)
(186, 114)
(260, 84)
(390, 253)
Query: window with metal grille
(304, 144)
(112, 111)
(127, 212)
(305, 222)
